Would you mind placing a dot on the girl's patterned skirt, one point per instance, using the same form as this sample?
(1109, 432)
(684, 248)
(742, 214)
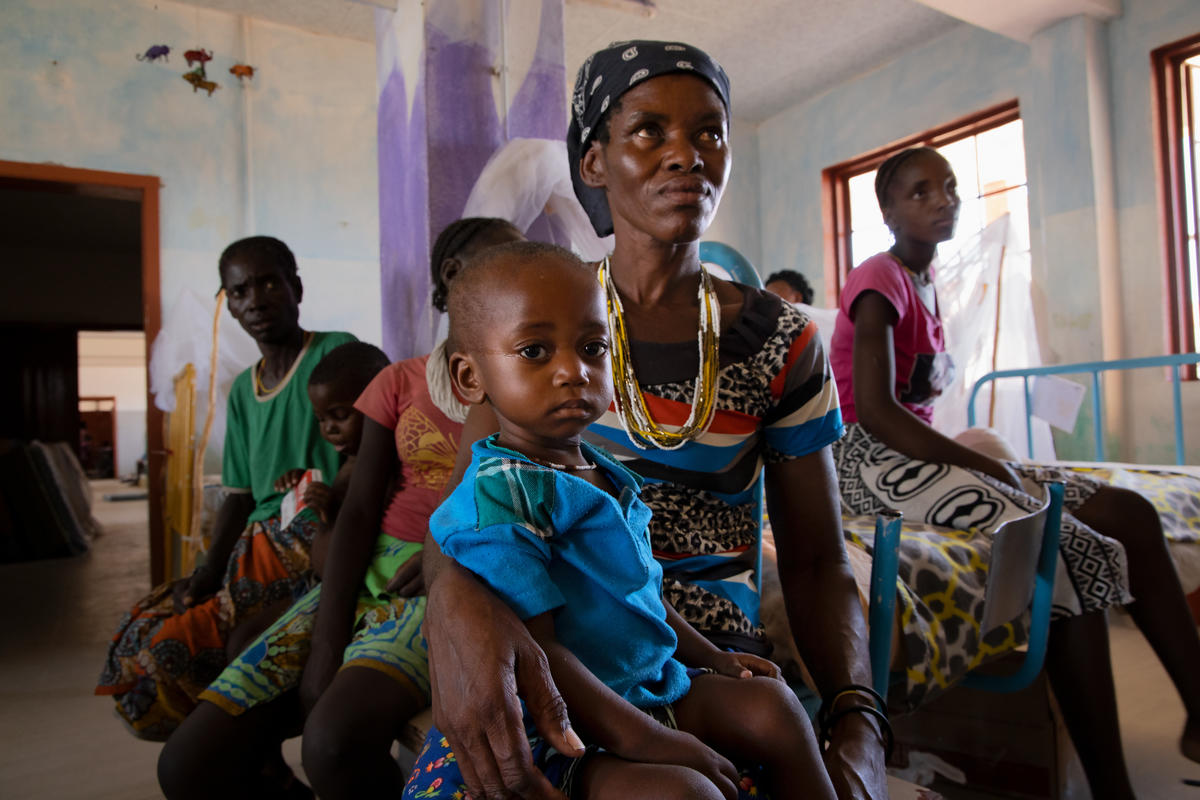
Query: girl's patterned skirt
(160, 661)
(949, 513)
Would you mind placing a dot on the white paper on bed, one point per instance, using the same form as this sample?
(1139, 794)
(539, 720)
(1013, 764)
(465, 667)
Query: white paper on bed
(967, 283)
(1057, 400)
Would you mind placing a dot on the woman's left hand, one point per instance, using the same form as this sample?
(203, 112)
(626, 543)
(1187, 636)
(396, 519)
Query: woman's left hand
(743, 665)
(855, 760)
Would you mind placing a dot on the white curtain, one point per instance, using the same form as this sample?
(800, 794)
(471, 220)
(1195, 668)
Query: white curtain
(983, 335)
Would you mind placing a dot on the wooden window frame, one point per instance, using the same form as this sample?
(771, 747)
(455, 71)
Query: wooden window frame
(1171, 99)
(835, 206)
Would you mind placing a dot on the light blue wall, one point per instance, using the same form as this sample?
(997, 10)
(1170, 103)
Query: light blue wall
(1146, 25)
(291, 153)
(737, 219)
(970, 69)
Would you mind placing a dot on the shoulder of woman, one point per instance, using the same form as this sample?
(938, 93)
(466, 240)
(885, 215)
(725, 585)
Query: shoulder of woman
(880, 273)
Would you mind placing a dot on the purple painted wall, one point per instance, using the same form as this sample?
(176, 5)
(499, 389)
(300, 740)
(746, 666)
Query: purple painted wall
(429, 160)
(403, 218)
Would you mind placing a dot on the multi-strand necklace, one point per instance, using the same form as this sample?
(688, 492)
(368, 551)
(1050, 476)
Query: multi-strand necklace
(632, 410)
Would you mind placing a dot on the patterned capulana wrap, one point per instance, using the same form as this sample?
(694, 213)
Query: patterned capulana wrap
(610, 73)
(945, 548)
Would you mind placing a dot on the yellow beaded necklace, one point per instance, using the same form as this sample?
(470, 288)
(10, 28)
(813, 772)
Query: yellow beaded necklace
(632, 410)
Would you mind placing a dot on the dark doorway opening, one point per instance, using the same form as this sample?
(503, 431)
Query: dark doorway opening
(80, 252)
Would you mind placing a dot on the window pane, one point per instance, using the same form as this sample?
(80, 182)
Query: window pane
(1002, 157)
(970, 223)
(864, 208)
(868, 241)
(961, 155)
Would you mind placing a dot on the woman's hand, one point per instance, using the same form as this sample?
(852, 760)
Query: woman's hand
(744, 665)
(289, 479)
(667, 746)
(855, 759)
(482, 660)
(408, 580)
(202, 584)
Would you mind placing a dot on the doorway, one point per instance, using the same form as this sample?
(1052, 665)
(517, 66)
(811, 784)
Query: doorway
(48, 300)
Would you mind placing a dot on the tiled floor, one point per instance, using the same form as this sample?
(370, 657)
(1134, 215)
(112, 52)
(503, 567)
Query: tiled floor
(59, 741)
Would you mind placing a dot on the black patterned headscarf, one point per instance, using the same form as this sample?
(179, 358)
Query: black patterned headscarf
(603, 78)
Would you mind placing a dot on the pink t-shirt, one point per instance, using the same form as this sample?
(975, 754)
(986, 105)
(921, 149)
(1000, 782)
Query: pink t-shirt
(426, 444)
(923, 369)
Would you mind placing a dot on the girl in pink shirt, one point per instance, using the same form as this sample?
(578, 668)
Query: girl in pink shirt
(888, 355)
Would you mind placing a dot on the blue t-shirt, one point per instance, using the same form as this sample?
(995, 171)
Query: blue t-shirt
(546, 540)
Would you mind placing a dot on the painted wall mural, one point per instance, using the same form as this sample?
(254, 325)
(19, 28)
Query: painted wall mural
(457, 80)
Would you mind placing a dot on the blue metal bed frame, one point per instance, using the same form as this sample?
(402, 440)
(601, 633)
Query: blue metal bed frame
(1095, 368)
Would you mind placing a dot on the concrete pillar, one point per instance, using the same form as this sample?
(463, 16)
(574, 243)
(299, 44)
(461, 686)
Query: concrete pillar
(1072, 176)
(457, 80)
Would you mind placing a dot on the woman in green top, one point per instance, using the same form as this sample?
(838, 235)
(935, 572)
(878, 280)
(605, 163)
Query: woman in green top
(172, 644)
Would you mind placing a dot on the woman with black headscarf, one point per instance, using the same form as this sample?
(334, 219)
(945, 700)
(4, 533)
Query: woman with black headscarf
(716, 385)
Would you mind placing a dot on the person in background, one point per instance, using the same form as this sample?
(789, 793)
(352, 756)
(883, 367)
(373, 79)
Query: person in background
(649, 155)
(171, 645)
(535, 519)
(346, 665)
(333, 387)
(791, 286)
(889, 358)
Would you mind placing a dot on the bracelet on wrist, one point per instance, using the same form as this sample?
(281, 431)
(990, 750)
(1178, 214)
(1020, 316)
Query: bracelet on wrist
(829, 715)
(885, 727)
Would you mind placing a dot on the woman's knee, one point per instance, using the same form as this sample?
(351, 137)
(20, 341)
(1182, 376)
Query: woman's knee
(340, 735)
(330, 744)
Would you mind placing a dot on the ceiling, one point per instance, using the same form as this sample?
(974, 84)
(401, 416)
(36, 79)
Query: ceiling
(776, 52)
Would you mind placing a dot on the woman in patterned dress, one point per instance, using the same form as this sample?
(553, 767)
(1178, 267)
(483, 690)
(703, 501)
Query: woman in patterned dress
(173, 642)
(649, 160)
(888, 355)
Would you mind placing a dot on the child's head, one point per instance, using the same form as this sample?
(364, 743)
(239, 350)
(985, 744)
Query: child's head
(918, 195)
(528, 334)
(791, 286)
(335, 383)
(459, 241)
(262, 287)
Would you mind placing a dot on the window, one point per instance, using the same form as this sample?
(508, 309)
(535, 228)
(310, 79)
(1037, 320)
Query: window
(1176, 71)
(987, 153)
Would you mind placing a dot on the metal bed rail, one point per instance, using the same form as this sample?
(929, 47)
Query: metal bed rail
(1174, 362)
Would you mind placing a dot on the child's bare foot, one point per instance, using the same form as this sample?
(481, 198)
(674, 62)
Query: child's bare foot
(1189, 742)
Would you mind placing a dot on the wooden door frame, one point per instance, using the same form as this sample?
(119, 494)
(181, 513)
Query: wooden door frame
(145, 189)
